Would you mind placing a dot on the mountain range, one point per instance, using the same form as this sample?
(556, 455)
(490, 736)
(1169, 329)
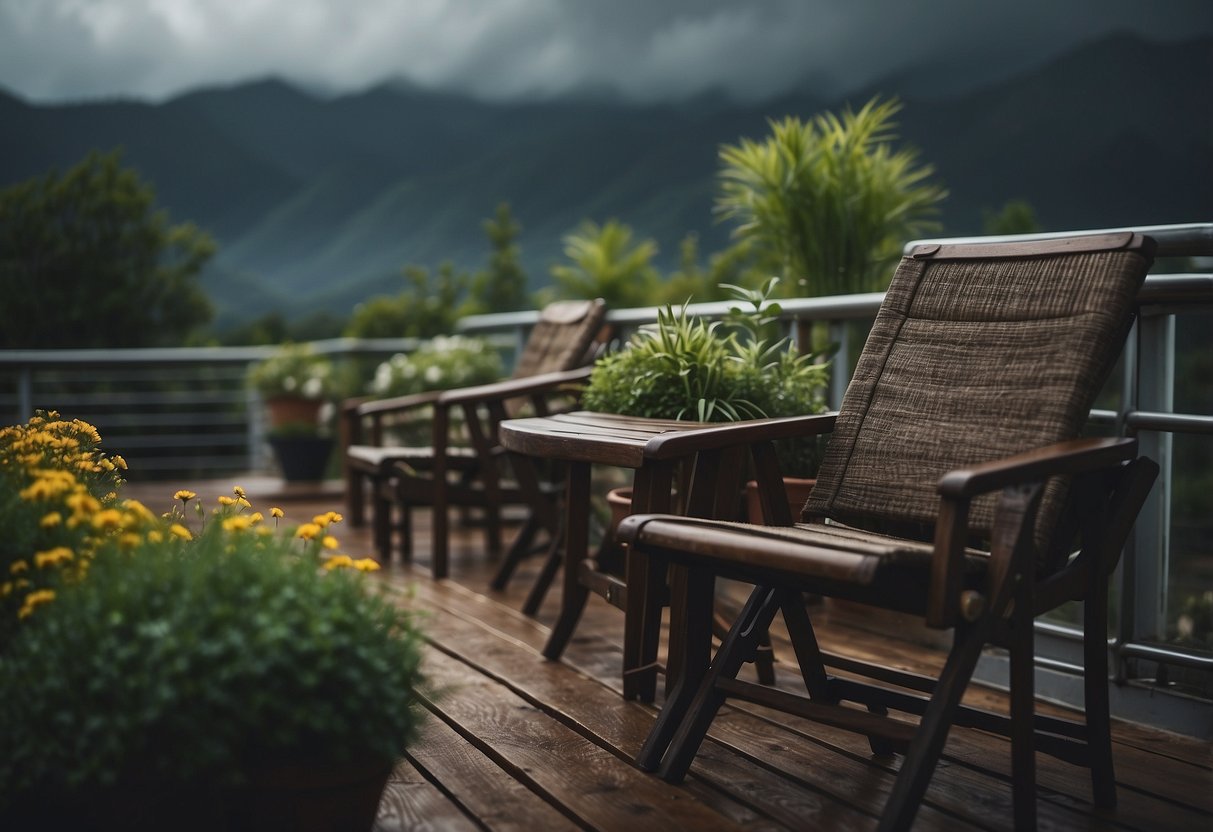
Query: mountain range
(317, 201)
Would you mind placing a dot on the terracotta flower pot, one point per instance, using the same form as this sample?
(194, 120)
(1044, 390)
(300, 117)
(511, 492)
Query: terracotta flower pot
(288, 410)
(798, 494)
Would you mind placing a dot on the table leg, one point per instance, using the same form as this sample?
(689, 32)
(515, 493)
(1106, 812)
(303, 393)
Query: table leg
(576, 548)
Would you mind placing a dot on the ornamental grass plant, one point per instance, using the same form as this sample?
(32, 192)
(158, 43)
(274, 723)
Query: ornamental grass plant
(185, 650)
(686, 368)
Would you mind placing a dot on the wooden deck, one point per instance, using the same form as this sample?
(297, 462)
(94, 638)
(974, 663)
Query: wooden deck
(514, 742)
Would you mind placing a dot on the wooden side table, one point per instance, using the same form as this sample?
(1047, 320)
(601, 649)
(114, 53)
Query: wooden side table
(652, 448)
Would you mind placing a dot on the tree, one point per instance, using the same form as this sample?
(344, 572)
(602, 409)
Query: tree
(607, 264)
(1015, 217)
(829, 201)
(428, 307)
(502, 286)
(87, 260)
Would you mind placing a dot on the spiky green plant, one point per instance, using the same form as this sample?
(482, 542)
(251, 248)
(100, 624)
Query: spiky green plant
(830, 199)
(605, 262)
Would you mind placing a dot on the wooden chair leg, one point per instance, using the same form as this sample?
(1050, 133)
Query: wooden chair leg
(381, 521)
(404, 532)
(739, 646)
(1023, 714)
(518, 550)
(693, 612)
(1095, 688)
(547, 574)
(355, 497)
(924, 750)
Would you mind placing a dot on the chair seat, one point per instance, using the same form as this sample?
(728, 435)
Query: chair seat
(374, 458)
(838, 558)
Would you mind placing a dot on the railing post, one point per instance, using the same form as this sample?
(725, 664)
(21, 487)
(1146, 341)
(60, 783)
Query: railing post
(1145, 605)
(256, 426)
(840, 364)
(25, 393)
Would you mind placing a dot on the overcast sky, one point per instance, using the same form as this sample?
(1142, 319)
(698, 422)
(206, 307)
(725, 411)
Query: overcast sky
(56, 50)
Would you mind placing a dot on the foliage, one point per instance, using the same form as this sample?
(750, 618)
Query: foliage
(829, 199)
(606, 263)
(427, 307)
(1015, 217)
(86, 260)
(186, 656)
(444, 363)
(58, 498)
(295, 370)
(502, 285)
(687, 368)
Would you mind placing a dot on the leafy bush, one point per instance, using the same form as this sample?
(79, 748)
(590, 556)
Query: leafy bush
(295, 370)
(178, 655)
(59, 501)
(443, 363)
(687, 368)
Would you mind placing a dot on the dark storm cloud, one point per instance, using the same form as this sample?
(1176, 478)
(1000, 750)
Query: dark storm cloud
(643, 49)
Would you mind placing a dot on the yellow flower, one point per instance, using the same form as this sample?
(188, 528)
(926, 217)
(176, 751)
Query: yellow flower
(339, 561)
(329, 542)
(184, 495)
(328, 517)
(239, 492)
(155, 536)
(308, 531)
(276, 512)
(256, 517)
(6, 589)
(120, 462)
(52, 557)
(108, 519)
(366, 565)
(49, 521)
(105, 464)
(34, 600)
(139, 510)
(18, 566)
(237, 524)
(129, 540)
(224, 500)
(180, 531)
(243, 503)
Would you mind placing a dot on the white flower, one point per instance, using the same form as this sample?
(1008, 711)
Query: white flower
(433, 374)
(313, 388)
(289, 383)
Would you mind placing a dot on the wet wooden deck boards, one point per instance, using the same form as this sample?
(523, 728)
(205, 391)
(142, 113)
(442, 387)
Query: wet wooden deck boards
(514, 742)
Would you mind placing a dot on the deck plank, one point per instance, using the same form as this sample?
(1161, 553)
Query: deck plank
(518, 743)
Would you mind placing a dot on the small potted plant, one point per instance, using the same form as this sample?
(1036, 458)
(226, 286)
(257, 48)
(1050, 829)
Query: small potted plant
(686, 368)
(210, 671)
(297, 384)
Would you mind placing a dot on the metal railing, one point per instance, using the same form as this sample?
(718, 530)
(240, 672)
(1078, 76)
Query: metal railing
(189, 412)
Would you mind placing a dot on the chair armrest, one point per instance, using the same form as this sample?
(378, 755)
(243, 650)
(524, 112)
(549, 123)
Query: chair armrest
(513, 388)
(733, 434)
(1074, 456)
(397, 404)
(957, 488)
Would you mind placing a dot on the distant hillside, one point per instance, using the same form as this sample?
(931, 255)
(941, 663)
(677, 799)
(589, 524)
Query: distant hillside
(318, 202)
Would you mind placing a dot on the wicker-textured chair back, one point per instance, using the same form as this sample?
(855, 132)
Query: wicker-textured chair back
(562, 339)
(978, 352)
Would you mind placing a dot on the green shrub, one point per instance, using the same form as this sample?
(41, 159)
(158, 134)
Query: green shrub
(443, 363)
(185, 661)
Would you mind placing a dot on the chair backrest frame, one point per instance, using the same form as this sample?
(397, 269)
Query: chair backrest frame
(979, 351)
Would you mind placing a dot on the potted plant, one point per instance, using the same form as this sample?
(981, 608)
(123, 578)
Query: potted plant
(171, 671)
(296, 384)
(686, 368)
